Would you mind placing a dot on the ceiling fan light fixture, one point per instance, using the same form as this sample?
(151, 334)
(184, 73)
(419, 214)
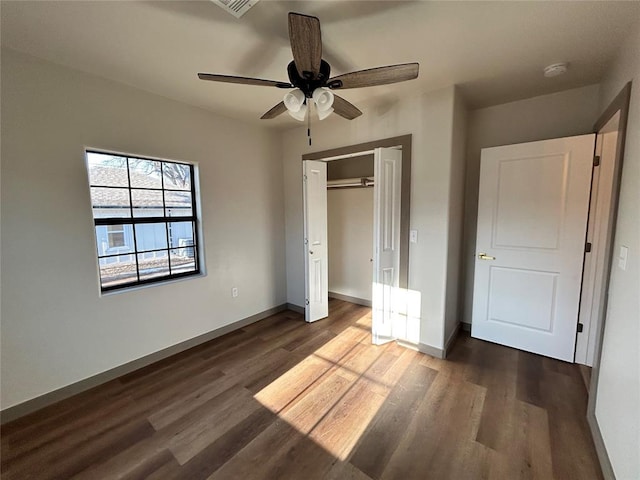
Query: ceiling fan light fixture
(294, 100)
(299, 114)
(310, 75)
(323, 98)
(322, 114)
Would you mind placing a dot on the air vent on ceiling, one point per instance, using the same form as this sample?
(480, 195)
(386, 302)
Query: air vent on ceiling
(237, 8)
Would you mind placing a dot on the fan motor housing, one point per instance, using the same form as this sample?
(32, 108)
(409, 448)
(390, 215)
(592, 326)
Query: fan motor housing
(308, 84)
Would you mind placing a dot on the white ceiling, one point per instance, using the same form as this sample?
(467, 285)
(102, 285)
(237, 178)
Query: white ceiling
(494, 50)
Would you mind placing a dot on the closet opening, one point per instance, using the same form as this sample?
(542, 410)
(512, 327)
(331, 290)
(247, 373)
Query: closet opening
(356, 231)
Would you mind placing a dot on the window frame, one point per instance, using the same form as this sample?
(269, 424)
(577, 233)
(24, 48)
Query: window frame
(133, 221)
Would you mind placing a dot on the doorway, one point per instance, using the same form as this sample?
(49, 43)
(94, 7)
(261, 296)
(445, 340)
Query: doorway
(597, 246)
(391, 228)
(350, 184)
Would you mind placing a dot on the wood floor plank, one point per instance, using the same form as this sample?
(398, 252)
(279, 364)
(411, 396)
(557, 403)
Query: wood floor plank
(154, 464)
(530, 448)
(566, 407)
(122, 410)
(129, 462)
(528, 380)
(345, 471)
(185, 427)
(431, 438)
(307, 344)
(261, 455)
(390, 374)
(237, 404)
(70, 458)
(305, 415)
(339, 430)
(62, 411)
(70, 433)
(212, 457)
(391, 421)
(266, 376)
(293, 385)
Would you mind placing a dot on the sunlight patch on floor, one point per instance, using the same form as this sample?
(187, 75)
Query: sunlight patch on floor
(332, 395)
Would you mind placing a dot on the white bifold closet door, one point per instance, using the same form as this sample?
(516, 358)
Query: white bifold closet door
(316, 256)
(386, 295)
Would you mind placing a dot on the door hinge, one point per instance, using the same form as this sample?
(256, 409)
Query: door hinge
(580, 327)
(596, 160)
(587, 247)
(306, 302)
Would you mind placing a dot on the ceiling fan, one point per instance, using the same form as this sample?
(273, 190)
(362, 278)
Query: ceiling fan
(310, 76)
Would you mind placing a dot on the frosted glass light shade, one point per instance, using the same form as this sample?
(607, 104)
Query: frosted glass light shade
(294, 100)
(299, 114)
(322, 114)
(323, 98)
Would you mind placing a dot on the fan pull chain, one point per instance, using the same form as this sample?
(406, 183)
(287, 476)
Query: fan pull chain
(309, 125)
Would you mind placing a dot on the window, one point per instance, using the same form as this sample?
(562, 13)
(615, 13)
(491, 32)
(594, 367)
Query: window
(116, 236)
(144, 212)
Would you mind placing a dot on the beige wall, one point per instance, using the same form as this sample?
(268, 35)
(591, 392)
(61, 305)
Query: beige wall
(562, 114)
(456, 219)
(429, 118)
(56, 328)
(618, 391)
(350, 225)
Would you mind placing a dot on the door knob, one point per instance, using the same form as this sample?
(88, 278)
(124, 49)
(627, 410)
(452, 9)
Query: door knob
(310, 252)
(484, 256)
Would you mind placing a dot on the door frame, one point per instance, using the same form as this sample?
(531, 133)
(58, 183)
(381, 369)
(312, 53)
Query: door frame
(620, 105)
(403, 141)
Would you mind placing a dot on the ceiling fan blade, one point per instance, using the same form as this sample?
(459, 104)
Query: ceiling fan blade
(243, 80)
(344, 108)
(274, 112)
(375, 76)
(306, 43)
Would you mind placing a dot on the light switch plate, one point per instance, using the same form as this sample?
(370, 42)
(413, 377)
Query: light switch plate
(413, 236)
(622, 257)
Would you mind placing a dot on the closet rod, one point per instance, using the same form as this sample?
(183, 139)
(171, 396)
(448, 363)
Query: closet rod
(362, 183)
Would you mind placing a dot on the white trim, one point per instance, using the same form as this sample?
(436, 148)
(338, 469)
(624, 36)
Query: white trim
(346, 155)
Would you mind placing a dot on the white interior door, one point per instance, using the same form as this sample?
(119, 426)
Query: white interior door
(315, 240)
(532, 217)
(386, 248)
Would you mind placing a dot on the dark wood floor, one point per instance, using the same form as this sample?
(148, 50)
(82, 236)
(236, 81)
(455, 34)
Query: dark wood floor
(282, 399)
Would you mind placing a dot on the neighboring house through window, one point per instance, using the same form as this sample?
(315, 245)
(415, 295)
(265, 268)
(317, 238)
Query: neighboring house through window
(144, 212)
(116, 236)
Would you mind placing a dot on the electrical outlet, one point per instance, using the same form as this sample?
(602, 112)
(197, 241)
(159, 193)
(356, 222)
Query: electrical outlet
(234, 292)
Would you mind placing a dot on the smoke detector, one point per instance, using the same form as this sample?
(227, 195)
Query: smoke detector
(556, 69)
(237, 8)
